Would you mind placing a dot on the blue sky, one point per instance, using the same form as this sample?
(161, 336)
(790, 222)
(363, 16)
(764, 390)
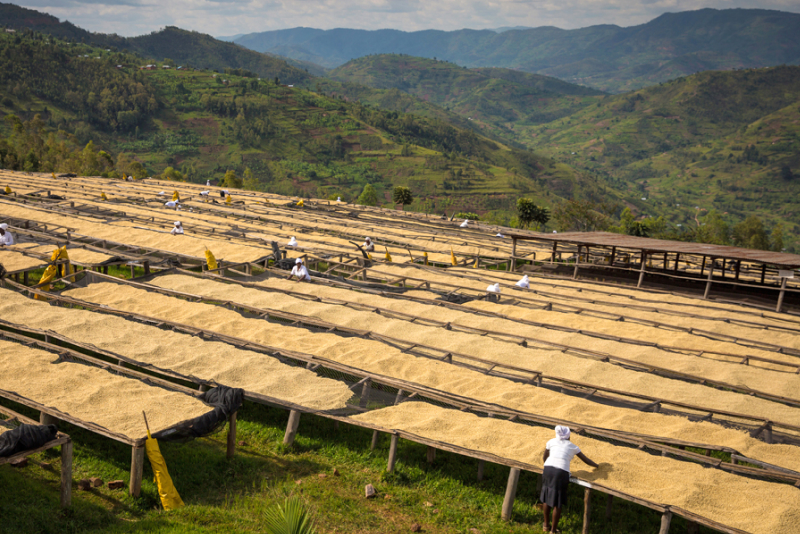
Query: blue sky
(230, 17)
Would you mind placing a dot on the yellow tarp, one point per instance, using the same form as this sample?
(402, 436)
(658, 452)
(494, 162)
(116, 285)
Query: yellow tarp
(170, 499)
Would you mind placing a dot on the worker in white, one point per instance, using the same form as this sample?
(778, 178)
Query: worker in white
(465, 223)
(558, 454)
(499, 235)
(5, 236)
(523, 282)
(208, 183)
(204, 193)
(172, 204)
(224, 193)
(368, 245)
(292, 242)
(494, 288)
(299, 270)
(177, 229)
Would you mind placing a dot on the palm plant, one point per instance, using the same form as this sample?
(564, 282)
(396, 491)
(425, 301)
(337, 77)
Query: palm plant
(291, 518)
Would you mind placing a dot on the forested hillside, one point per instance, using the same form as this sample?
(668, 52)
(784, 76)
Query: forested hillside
(197, 125)
(605, 57)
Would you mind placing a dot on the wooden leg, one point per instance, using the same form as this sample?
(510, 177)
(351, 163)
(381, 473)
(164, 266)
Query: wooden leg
(392, 453)
(375, 435)
(609, 506)
(231, 435)
(66, 474)
(137, 465)
(511, 494)
(781, 295)
(481, 465)
(47, 419)
(587, 505)
(291, 427)
(431, 454)
(666, 519)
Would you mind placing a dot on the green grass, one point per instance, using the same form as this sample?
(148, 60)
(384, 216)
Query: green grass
(231, 495)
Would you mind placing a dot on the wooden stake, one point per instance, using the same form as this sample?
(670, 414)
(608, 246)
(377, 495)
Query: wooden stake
(710, 275)
(641, 271)
(231, 435)
(375, 436)
(291, 427)
(431, 454)
(47, 419)
(511, 494)
(781, 295)
(66, 474)
(587, 505)
(392, 453)
(137, 464)
(481, 465)
(666, 519)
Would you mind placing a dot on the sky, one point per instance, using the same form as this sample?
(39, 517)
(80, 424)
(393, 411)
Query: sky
(232, 17)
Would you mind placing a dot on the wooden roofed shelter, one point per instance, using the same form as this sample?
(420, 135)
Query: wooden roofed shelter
(748, 268)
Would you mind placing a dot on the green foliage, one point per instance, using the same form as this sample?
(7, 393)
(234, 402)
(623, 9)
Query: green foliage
(581, 215)
(467, 215)
(368, 197)
(529, 213)
(172, 174)
(231, 180)
(402, 195)
(291, 518)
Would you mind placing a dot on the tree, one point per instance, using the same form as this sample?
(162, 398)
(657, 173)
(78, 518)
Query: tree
(750, 233)
(528, 212)
(712, 229)
(172, 174)
(402, 195)
(582, 215)
(777, 238)
(630, 226)
(786, 173)
(368, 197)
(250, 182)
(231, 180)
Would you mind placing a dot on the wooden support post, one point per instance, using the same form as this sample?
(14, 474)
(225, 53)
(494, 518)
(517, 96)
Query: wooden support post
(511, 493)
(365, 389)
(47, 419)
(66, 474)
(587, 508)
(133, 272)
(666, 261)
(553, 257)
(763, 272)
(609, 506)
(577, 260)
(392, 453)
(677, 261)
(641, 270)
(137, 464)
(481, 464)
(613, 255)
(710, 277)
(146, 268)
(231, 436)
(25, 278)
(724, 261)
(375, 436)
(781, 295)
(513, 253)
(738, 268)
(291, 427)
(703, 267)
(666, 519)
(431, 454)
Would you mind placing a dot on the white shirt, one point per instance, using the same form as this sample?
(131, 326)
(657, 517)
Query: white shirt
(177, 230)
(301, 272)
(171, 203)
(561, 453)
(7, 239)
(368, 246)
(523, 283)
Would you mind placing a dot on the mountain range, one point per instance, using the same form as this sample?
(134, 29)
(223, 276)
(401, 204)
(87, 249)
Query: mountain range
(605, 57)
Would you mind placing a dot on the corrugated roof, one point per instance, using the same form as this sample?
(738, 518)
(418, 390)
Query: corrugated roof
(647, 244)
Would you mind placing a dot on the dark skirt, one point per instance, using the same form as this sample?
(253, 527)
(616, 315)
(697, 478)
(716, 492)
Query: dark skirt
(555, 482)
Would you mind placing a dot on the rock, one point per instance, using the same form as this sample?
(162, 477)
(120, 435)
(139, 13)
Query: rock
(369, 491)
(116, 484)
(298, 481)
(428, 504)
(96, 482)
(322, 475)
(84, 484)
(21, 462)
(336, 472)
(475, 531)
(242, 443)
(416, 527)
(387, 496)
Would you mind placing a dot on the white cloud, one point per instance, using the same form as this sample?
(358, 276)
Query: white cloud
(228, 17)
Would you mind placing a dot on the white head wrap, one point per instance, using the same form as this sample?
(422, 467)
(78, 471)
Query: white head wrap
(177, 223)
(299, 260)
(367, 239)
(4, 226)
(293, 242)
(494, 288)
(523, 282)
(562, 432)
